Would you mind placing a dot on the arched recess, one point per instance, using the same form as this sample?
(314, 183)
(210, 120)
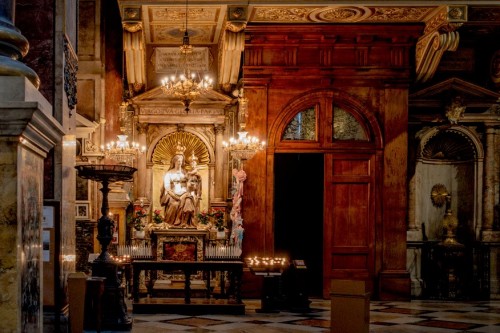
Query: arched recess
(350, 194)
(161, 151)
(452, 156)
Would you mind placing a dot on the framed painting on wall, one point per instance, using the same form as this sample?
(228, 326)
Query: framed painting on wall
(82, 211)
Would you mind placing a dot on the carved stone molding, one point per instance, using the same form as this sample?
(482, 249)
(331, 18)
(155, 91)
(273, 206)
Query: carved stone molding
(132, 26)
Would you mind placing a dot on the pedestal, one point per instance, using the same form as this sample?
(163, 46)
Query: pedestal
(448, 274)
(114, 309)
(350, 305)
(27, 133)
(269, 301)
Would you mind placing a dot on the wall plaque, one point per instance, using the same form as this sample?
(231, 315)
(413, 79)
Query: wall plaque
(170, 60)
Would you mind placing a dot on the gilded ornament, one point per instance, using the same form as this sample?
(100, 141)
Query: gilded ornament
(132, 26)
(457, 13)
(401, 14)
(438, 195)
(282, 14)
(455, 110)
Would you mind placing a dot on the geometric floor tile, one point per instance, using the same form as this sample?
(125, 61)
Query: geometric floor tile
(415, 316)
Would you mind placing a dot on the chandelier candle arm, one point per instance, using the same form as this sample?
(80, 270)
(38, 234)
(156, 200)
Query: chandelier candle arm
(244, 147)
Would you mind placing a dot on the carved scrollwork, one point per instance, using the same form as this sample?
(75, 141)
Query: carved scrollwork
(70, 70)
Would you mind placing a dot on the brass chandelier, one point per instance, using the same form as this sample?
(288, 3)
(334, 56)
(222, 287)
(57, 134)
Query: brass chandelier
(122, 151)
(188, 86)
(244, 147)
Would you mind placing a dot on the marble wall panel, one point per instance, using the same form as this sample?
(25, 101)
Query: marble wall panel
(9, 283)
(30, 166)
(21, 171)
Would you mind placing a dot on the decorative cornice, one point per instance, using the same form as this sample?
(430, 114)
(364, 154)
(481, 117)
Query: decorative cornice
(339, 14)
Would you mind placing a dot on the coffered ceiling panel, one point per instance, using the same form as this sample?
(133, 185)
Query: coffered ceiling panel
(166, 25)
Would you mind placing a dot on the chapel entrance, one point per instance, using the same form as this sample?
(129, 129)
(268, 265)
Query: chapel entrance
(298, 201)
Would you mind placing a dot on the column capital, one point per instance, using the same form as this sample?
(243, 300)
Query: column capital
(219, 129)
(142, 128)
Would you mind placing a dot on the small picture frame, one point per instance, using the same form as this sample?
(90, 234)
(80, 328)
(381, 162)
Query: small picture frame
(82, 211)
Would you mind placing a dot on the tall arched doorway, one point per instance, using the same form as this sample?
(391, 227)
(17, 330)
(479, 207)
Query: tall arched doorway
(341, 141)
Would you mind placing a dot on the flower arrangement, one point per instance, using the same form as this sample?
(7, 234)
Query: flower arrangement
(157, 218)
(212, 214)
(203, 217)
(218, 214)
(136, 219)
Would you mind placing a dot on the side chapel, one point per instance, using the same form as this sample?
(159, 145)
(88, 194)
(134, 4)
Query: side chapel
(380, 122)
(341, 98)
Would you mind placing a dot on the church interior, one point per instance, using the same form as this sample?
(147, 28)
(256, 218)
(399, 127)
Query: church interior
(187, 155)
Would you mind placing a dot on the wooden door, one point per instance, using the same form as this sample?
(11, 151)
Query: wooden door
(349, 218)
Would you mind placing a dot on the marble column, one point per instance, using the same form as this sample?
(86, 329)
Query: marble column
(28, 131)
(13, 46)
(219, 164)
(489, 177)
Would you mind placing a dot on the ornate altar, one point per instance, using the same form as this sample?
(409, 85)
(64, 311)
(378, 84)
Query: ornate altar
(179, 244)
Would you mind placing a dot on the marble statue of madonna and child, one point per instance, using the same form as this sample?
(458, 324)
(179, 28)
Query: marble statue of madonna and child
(181, 192)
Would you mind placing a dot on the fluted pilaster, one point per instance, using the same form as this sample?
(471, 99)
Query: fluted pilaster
(219, 164)
(141, 162)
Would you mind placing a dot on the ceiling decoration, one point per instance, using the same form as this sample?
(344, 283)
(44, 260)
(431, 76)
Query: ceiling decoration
(162, 24)
(339, 14)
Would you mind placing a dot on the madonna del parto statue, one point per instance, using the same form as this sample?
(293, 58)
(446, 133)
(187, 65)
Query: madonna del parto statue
(181, 191)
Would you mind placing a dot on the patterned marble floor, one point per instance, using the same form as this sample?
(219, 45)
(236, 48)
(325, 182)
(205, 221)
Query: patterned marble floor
(390, 317)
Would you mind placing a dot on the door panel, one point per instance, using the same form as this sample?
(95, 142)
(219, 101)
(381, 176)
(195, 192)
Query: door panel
(349, 217)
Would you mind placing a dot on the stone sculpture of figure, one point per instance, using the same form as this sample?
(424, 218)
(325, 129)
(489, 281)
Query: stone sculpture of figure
(194, 182)
(179, 202)
(239, 176)
(237, 234)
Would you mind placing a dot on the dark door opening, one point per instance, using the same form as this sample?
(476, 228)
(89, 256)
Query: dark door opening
(298, 208)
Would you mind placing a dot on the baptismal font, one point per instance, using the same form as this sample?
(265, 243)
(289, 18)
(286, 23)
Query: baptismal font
(114, 309)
